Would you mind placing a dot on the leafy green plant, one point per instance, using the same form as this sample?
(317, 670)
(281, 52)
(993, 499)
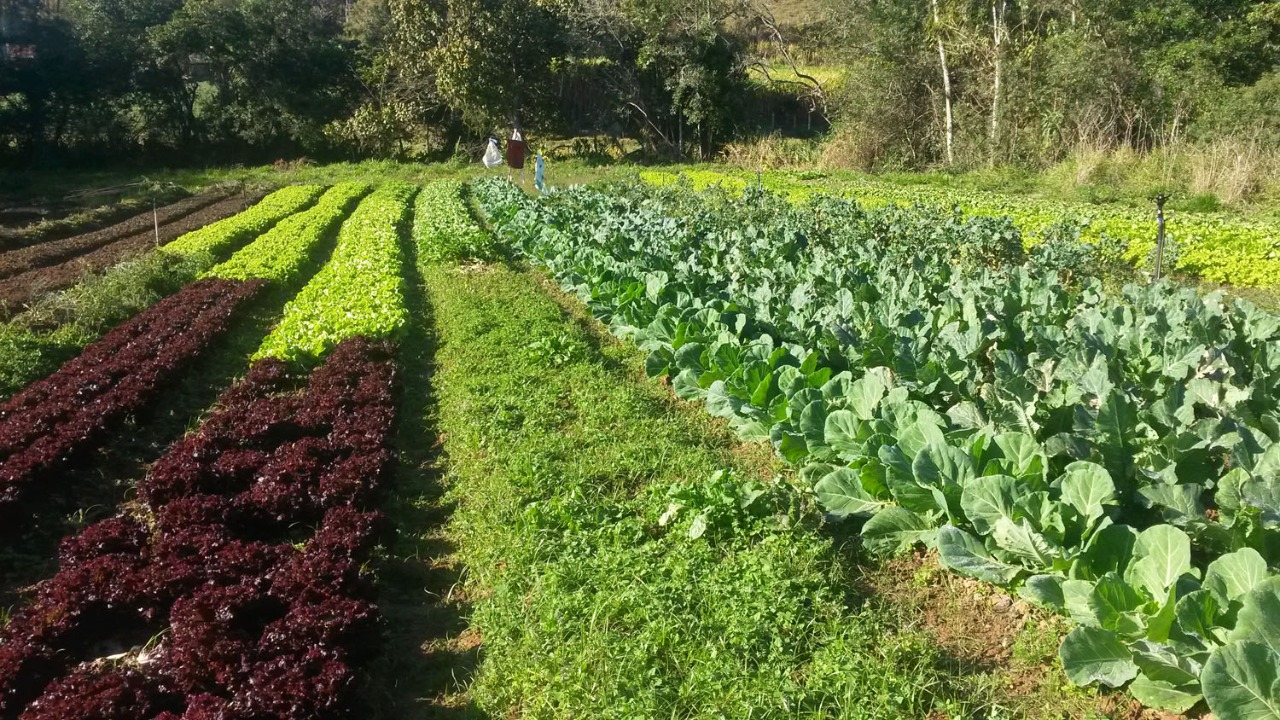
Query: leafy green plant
(358, 293)
(724, 506)
(281, 252)
(554, 350)
(443, 226)
(1241, 678)
(1063, 252)
(1057, 440)
(1215, 246)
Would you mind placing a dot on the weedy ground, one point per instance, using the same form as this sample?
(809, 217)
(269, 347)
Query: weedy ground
(612, 571)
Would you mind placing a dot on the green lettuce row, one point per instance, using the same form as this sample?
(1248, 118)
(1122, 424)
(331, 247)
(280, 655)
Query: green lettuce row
(986, 499)
(358, 293)
(443, 227)
(281, 253)
(225, 234)
(1212, 246)
(36, 343)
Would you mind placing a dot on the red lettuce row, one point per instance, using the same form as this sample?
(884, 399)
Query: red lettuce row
(244, 559)
(55, 421)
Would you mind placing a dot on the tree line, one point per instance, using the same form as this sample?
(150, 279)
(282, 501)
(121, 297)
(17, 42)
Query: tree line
(921, 82)
(1026, 81)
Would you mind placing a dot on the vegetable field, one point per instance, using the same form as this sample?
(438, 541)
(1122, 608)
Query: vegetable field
(1113, 458)
(1218, 247)
(434, 479)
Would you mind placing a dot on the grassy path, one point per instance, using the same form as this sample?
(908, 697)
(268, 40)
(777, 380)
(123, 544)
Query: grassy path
(612, 573)
(431, 652)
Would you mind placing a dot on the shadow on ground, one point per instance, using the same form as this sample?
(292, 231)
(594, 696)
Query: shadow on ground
(430, 653)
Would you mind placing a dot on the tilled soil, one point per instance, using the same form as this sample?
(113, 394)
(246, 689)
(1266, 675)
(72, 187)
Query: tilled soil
(16, 262)
(19, 291)
(24, 225)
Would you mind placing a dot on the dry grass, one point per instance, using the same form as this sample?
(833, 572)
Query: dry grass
(773, 152)
(1234, 169)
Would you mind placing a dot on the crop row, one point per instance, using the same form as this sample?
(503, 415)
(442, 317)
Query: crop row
(33, 289)
(250, 613)
(281, 253)
(1212, 246)
(65, 416)
(359, 292)
(55, 421)
(68, 414)
(223, 235)
(254, 615)
(15, 262)
(1082, 438)
(38, 341)
(443, 226)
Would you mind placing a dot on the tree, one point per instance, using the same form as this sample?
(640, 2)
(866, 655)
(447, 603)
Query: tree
(950, 131)
(999, 37)
(266, 73)
(493, 60)
(39, 82)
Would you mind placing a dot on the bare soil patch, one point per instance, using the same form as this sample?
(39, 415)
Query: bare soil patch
(16, 262)
(25, 222)
(19, 291)
(983, 629)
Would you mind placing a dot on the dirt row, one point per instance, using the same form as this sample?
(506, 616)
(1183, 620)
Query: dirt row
(19, 291)
(16, 262)
(23, 226)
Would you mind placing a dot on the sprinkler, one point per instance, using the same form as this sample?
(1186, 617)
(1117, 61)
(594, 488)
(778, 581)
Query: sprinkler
(1160, 201)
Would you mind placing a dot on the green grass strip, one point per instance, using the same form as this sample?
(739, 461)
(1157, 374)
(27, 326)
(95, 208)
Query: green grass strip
(26, 356)
(443, 226)
(616, 573)
(225, 234)
(283, 251)
(358, 292)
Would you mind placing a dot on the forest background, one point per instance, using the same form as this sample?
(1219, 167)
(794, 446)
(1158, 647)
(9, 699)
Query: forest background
(1139, 93)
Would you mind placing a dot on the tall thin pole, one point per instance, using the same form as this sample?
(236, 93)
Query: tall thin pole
(1160, 200)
